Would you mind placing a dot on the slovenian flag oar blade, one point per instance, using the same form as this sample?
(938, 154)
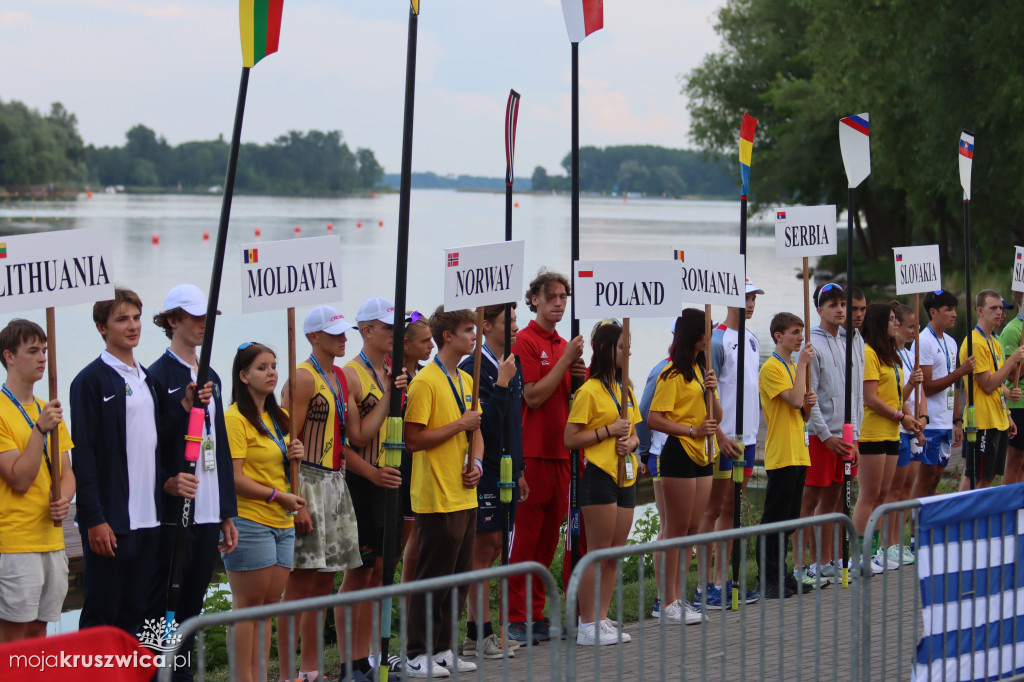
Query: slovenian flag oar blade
(747, 128)
(511, 118)
(582, 17)
(966, 161)
(855, 145)
(260, 23)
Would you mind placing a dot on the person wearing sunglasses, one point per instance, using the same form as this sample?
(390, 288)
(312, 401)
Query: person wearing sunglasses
(258, 430)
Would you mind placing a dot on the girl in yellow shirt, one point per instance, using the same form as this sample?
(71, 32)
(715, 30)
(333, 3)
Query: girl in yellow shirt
(258, 568)
(596, 426)
(884, 412)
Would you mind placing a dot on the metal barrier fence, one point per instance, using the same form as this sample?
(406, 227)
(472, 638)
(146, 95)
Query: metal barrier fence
(541, 662)
(809, 636)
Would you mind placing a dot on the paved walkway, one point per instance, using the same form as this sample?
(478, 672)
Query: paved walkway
(771, 640)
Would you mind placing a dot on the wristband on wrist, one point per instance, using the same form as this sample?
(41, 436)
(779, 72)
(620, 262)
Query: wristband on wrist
(607, 433)
(958, 421)
(598, 435)
(40, 429)
(479, 464)
(691, 430)
(273, 495)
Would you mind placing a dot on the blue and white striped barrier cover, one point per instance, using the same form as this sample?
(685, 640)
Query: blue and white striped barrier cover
(970, 564)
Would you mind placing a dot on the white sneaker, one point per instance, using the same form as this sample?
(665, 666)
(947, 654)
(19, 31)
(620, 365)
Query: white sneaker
(589, 634)
(885, 561)
(692, 615)
(449, 661)
(673, 613)
(423, 667)
(615, 631)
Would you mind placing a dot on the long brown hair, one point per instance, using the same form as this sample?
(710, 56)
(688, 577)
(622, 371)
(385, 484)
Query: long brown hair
(240, 391)
(689, 330)
(876, 334)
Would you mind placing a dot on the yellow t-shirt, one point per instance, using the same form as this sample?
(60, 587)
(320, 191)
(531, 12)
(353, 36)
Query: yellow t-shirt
(594, 408)
(436, 486)
(264, 463)
(878, 427)
(683, 402)
(784, 445)
(988, 407)
(25, 524)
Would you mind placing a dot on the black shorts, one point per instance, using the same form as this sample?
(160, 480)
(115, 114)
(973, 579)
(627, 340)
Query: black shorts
(489, 508)
(597, 487)
(880, 447)
(676, 463)
(368, 501)
(405, 491)
(1017, 415)
(991, 452)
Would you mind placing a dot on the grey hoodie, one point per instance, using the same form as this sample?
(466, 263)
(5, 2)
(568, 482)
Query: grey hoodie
(828, 381)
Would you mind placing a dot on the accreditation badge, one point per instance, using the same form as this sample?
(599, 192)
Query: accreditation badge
(209, 456)
(950, 398)
(630, 471)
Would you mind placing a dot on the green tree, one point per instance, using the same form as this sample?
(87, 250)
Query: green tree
(370, 172)
(539, 179)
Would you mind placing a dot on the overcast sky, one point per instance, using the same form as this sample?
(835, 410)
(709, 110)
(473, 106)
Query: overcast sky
(175, 66)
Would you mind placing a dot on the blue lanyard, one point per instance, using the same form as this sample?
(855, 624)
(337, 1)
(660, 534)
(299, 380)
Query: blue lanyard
(31, 424)
(618, 406)
(278, 439)
(786, 365)
(699, 379)
(991, 350)
(206, 408)
(945, 350)
(339, 406)
(366, 361)
(899, 383)
(457, 394)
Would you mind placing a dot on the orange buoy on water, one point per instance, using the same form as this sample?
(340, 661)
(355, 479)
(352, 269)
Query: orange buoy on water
(257, 232)
(88, 195)
(373, 195)
(359, 226)
(298, 229)
(206, 236)
(517, 204)
(380, 223)
(330, 227)
(155, 239)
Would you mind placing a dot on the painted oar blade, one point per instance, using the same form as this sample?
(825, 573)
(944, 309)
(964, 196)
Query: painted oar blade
(855, 145)
(966, 157)
(511, 120)
(582, 17)
(415, 7)
(260, 28)
(747, 128)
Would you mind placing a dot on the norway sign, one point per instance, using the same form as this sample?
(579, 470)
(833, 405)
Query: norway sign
(621, 288)
(802, 231)
(290, 273)
(485, 274)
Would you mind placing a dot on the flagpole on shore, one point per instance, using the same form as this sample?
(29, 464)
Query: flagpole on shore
(966, 163)
(747, 128)
(855, 146)
(395, 437)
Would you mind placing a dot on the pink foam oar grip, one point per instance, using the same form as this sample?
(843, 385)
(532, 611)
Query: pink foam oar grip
(194, 439)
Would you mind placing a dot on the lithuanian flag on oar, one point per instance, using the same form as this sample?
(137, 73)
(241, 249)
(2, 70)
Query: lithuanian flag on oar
(260, 22)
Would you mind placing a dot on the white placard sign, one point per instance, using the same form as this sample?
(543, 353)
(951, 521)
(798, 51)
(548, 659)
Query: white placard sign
(485, 274)
(802, 231)
(1018, 269)
(917, 269)
(290, 273)
(51, 269)
(627, 288)
(713, 277)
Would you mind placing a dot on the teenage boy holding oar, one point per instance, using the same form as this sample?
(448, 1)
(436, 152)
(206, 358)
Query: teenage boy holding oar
(33, 564)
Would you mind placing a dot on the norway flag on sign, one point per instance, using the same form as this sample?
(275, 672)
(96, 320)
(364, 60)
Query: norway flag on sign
(582, 17)
(453, 259)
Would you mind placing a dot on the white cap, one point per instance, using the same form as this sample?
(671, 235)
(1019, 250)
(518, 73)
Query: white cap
(376, 308)
(189, 298)
(752, 288)
(324, 318)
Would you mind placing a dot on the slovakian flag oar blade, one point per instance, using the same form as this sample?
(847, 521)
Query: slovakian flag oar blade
(260, 25)
(966, 157)
(855, 145)
(747, 128)
(582, 17)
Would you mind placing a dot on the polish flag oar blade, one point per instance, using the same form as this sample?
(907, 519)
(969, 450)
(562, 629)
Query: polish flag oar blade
(582, 17)
(966, 157)
(855, 145)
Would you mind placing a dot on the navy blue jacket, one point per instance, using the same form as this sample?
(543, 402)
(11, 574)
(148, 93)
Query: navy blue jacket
(100, 456)
(174, 377)
(499, 406)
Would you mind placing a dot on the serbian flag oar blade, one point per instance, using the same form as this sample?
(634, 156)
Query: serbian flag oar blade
(260, 26)
(582, 17)
(395, 431)
(966, 161)
(748, 126)
(855, 146)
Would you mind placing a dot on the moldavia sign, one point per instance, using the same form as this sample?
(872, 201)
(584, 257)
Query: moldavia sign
(290, 273)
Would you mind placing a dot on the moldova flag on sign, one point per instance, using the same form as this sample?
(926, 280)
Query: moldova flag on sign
(453, 259)
(250, 256)
(260, 24)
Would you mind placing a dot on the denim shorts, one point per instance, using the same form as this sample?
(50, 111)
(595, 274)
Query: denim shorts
(260, 546)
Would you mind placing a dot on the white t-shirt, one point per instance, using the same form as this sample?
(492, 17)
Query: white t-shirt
(140, 443)
(942, 362)
(724, 362)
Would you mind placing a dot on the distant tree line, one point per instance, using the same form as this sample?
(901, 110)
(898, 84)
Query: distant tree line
(647, 169)
(429, 180)
(38, 149)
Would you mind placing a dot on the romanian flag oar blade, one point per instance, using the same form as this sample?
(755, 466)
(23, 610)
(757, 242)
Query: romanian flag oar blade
(582, 17)
(965, 156)
(260, 25)
(748, 126)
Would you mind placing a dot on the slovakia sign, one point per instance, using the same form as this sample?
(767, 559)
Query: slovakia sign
(713, 277)
(621, 288)
(486, 274)
(1018, 269)
(917, 269)
(50, 269)
(802, 231)
(290, 273)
